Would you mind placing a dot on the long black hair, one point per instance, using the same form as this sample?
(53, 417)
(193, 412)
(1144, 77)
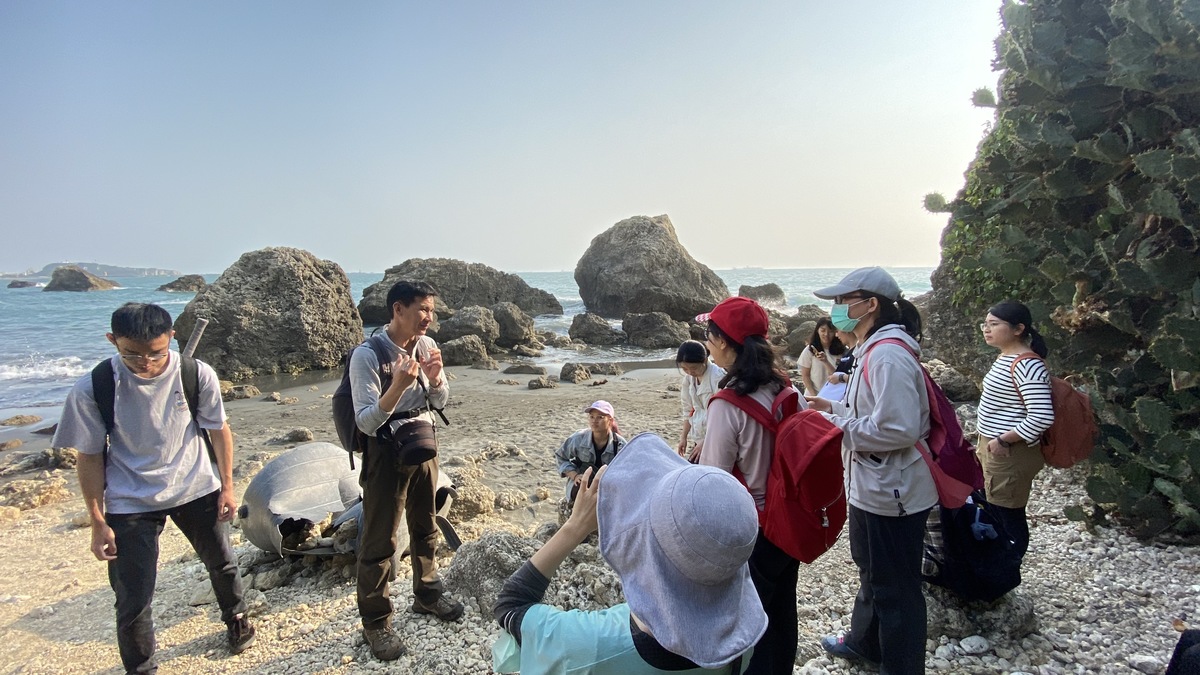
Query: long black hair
(757, 364)
(1016, 314)
(835, 346)
(901, 312)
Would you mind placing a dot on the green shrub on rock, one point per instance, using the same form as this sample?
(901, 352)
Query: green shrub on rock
(1084, 202)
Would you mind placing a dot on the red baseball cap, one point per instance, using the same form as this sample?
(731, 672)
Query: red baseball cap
(738, 318)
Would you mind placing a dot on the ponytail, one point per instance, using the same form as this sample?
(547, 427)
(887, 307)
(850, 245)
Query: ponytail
(900, 312)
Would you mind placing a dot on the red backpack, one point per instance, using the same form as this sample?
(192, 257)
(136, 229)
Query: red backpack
(1072, 436)
(805, 506)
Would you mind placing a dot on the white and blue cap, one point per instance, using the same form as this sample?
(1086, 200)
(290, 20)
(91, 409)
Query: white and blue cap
(679, 536)
(871, 279)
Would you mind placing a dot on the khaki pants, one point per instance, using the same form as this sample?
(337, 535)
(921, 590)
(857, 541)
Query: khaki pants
(1008, 480)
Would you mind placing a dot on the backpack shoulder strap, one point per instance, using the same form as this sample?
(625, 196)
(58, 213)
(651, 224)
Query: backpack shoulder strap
(748, 406)
(104, 390)
(384, 360)
(1012, 373)
(189, 372)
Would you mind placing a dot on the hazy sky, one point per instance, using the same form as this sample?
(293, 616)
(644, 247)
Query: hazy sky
(774, 134)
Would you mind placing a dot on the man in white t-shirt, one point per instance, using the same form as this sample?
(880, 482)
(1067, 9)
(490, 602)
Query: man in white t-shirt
(155, 464)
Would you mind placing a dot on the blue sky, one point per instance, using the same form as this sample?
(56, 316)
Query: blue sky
(774, 134)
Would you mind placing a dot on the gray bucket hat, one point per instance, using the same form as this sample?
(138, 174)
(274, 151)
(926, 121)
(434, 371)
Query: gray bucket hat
(870, 279)
(679, 535)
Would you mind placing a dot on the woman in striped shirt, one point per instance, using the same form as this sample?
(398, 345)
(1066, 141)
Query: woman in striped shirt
(1014, 410)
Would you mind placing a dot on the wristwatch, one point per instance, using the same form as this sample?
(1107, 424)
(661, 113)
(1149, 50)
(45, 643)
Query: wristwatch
(1003, 443)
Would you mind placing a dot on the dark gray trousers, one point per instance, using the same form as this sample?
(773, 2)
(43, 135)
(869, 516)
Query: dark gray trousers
(133, 573)
(389, 489)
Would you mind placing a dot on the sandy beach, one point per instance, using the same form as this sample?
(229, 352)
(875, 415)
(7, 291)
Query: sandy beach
(1101, 599)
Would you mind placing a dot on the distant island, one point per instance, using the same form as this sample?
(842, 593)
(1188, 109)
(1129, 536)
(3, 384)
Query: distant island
(97, 269)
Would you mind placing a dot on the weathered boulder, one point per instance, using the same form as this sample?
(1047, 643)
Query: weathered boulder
(20, 420)
(958, 387)
(525, 369)
(17, 283)
(638, 265)
(274, 310)
(516, 327)
(594, 330)
(480, 568)
(654, 330)
(464, 351)
(472, 320)
(543, 383)
(574, 373)
(949, 332)
(804, 314)
(11, 444)
(798, 339)
(766, 295)
(72, 278)
(30, 494)
(188, 283)
(1008, 619)
(459, 284)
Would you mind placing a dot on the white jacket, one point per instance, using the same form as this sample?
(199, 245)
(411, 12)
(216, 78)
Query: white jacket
(693, 398)
(881, 424)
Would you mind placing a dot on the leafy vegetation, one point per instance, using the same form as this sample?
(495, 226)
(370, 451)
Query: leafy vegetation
(1083, 201)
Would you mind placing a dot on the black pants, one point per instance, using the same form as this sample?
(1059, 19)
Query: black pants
(774, 574)
(888, 622)
(133, 573)
(389, 489)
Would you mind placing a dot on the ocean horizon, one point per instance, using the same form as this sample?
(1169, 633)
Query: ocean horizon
(49, 340)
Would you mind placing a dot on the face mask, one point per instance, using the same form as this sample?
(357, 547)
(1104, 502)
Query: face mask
(840, 316)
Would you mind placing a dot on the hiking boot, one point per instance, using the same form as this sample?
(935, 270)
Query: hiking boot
(444, 608)
(835, 645)
(385, 644)
(240, 633)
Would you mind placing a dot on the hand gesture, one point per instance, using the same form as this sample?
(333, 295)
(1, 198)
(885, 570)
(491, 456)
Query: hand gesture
(583, 516)
(404, 371)
(819, 404)
(432, 365)
(104, 542)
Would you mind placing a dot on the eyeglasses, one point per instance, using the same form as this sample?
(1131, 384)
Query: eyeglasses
(151, 358)
(989, 325)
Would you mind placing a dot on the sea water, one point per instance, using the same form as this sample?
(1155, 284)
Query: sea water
(50, 340)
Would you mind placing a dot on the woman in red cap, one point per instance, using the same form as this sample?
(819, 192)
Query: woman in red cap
(737, 340)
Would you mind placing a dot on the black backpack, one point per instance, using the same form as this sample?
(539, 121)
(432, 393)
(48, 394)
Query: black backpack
(976, 558)
(104, 390)
(353, 440)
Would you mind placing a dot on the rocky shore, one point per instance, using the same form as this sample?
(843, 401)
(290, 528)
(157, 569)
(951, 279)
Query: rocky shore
(1091, 602)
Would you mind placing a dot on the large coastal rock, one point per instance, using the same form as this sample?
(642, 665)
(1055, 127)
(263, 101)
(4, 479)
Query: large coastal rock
(188, 283)
(654, 330)
(516, 327)
(638, 265)
(951, 335)
(17, 283)
(467, 350)
(767, 295)
(459, 284)
(472, 320)
(594, 330)
(274, 310)
(71, 278)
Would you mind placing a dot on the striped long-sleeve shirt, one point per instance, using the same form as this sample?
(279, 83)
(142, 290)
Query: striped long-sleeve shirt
(1000, 406)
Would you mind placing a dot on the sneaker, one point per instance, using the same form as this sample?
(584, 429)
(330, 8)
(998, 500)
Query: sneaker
(444, 608)
(240, 633)
(835, 645)
(385, 644)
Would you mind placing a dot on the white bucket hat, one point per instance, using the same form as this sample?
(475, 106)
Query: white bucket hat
(679, 536)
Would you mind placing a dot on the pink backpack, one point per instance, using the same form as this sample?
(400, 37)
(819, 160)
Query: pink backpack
(955, 469)
(805, 507)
